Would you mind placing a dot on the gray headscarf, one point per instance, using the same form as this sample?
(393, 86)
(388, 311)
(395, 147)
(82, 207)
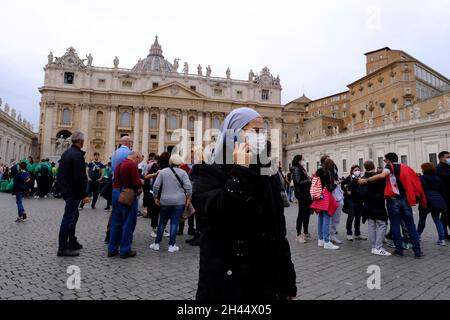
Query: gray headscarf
(234, 122)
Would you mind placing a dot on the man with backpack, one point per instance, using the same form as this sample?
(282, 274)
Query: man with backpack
(42, 173)
(403, 187)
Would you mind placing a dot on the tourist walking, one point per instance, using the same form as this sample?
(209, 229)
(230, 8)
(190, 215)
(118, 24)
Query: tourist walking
(374, 210)
(433, 187)
(72, 183)
(403, 188)
(95, 177)
(443, 171)
(21, 181)
(172, 191)
(302, 184)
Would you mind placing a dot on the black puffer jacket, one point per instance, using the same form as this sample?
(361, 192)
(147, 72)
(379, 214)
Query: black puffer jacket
(302, 183)
(244, 253)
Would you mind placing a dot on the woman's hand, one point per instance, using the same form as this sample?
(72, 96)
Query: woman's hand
(242, 155)
(157, 202)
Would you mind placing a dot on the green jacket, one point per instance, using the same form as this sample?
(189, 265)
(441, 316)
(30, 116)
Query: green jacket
(37, 171)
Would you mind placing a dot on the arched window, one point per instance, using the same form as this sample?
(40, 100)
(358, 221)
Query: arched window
(66, 116)
(154, 122)
(216, 123)
(191, 123)
(173, 122)
(99, 119)
(125, 120)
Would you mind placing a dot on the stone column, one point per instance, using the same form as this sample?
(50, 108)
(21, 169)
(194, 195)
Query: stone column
(162, 130)
(46, 143)
(145, 133)
(84, 127)
(112, 131)
(137, 111)
(207, 124)
(198, 130)
(277, 143)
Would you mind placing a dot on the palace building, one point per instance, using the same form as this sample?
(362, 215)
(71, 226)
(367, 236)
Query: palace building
(147, 102)
(400, 105)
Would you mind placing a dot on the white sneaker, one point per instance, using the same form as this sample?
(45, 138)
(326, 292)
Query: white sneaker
(153, 233)
(300, 239)
(320, 243)
(154, 246)
(335, 240)
(361, 237)
(166, 234)
(45, 197)
(381, 252)
(441, 243)
(36, 197)
(330, 246)
(372, 251)
(173, 248)
(349, 237)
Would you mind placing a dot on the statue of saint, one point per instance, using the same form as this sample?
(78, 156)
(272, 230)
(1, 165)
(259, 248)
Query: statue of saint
(59, 145)
(208, 71)
(116, 62)
(1, 102)
(89, 60)
(199, 70)
(7, 107)
(228, 73)
(440, 108)
(176, 64)
(251, 75)
(50, 57)
(186, 68)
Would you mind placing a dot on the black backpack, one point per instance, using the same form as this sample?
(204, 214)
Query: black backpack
(44, 171)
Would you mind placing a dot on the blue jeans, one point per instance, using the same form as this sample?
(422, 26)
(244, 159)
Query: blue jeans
(173, 213)
(398, 209)
(323, 226)
(19, 198)
(291, 193)
(435, 215)
(69, 221)
(123, 223)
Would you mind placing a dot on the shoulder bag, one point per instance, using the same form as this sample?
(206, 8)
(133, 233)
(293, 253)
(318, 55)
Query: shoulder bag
(127, 195)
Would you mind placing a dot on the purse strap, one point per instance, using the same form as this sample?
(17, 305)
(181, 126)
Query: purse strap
(179, 180)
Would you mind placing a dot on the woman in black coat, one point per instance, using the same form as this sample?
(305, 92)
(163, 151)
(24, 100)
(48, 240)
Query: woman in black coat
(244, 252)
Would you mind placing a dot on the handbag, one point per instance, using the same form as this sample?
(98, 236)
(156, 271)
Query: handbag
(327, 203)
(283, 193)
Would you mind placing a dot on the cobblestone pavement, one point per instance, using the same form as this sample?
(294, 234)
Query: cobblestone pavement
(30, 269)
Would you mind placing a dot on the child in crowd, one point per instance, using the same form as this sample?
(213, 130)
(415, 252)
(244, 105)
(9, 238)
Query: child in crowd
(20, 187)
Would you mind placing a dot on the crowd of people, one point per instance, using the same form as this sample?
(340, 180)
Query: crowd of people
(380, 196)
(233, 201)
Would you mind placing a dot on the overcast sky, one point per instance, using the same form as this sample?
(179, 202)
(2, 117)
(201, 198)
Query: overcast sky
(316, 47)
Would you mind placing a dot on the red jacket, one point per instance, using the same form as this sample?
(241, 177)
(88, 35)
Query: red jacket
(411, 183)
(126, 175)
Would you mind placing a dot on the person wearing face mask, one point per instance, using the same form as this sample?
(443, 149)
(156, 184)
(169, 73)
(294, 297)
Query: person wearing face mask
(302, 184)
(244, 253)
(353, 204)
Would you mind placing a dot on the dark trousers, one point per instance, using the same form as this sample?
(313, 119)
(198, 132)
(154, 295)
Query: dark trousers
(69, 221)
(19, 199)
(154, 212)
(92, 187)
(445, 220)
(354, 215)
(123, 223)
(42, 186)
(399, 209)
(303, 216)
(191, 224)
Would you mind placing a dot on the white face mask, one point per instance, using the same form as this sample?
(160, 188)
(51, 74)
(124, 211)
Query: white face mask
(303, 163)
(256, 141)
(357, 173)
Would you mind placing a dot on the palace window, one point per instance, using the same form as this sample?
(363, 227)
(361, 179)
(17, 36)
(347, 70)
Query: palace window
(125, 120)
(99, 119)
(433, 158)
(173, 122)
(380, 162)
(153, 137)
(218, 92)
(193, 88)
(406, 76)
(101, 83)
(69, 77)
(361, 163)
(155, 85)
(191, 123)
(66, 115)
(239, 94)
(154, 122)
(127, 84)
(344, 165)
(264, 94)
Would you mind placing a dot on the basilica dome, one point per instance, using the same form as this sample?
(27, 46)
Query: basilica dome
(155, 61)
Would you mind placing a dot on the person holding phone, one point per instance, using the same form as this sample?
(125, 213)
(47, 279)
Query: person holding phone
(244, 253)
